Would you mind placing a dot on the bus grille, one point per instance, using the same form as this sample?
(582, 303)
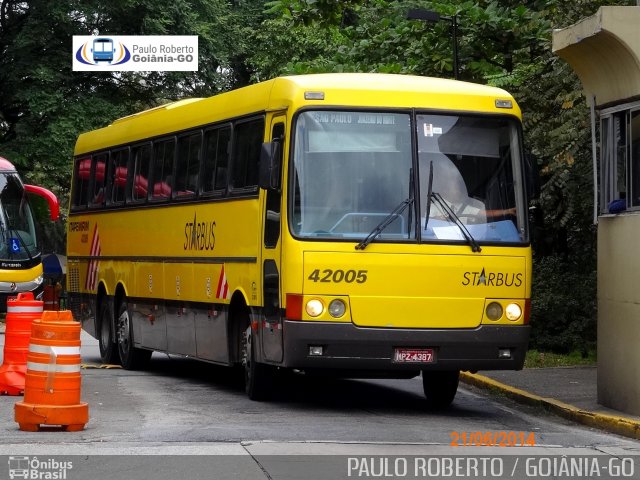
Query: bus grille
(74, 279)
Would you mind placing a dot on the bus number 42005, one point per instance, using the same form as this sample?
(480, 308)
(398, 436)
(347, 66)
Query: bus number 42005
(337, 276)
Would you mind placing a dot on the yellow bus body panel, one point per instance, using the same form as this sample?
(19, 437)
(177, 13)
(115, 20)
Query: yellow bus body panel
(417, 290)
(173, 253)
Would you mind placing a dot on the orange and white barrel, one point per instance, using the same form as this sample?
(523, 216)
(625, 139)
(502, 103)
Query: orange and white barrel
(22, 311)
(53, 382)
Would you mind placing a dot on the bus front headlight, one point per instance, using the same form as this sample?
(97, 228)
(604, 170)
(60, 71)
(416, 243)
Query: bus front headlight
(337, 308)
(494, 311)
(513, 311)
(314, 307)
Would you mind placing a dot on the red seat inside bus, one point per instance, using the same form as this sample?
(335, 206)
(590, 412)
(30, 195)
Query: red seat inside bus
(140, 187)
(84, 170)
(161, 189)
(120, 178)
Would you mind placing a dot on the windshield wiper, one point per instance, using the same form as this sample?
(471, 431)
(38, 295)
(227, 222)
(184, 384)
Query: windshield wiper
(384, 223)
(429, 194)
(411, 195)
(475, 247)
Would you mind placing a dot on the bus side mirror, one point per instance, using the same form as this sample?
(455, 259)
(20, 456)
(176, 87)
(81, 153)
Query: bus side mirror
(49, 196)
(270, 163)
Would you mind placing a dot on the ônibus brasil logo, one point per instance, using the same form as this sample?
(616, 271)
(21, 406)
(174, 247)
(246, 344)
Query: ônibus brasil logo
(41, 469)
(103, 50)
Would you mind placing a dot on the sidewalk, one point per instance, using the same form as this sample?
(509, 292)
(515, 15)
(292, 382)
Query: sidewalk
(570, 392)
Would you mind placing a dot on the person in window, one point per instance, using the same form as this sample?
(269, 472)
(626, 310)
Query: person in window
(450, 184)
(500, 197)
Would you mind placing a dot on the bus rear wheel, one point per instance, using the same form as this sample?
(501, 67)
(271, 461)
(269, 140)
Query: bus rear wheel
(440, 387)
(108, 347)
(132, 358)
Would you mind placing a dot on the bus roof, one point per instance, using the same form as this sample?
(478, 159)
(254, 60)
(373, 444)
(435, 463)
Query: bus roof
(357, 90)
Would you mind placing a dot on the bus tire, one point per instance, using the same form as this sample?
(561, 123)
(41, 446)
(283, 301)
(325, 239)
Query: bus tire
(440, 387)
(258, 378)
(106, 341)
(132, 358)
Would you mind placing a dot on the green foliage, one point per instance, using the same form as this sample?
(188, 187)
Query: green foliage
(564, 295)
(377, 36)
(275, 53)
(541, 359)
(44, 106)
(317, 12)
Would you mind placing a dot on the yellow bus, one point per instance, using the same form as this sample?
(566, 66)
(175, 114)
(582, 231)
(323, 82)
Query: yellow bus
(365, 225)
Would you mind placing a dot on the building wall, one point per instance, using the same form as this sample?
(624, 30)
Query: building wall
(619, 312)
(604, 50)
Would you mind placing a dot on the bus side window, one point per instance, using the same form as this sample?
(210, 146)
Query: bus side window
(141, 156)
(188, 165)
(162, 169)
(247, 145)
(216, 160)
(119, 163)
(81, 186)
(224, 155)
(98, 173)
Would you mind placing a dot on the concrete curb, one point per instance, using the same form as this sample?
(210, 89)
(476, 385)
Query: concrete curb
(612, 423)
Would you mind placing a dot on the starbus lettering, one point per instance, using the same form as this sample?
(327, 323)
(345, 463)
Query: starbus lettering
(492, 279)
(199, 235)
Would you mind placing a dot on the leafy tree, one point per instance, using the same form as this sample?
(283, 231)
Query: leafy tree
(376, 36)
(44, 105)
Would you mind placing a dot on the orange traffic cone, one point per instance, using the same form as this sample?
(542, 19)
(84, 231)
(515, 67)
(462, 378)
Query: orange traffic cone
(21, 312)
(52, 387)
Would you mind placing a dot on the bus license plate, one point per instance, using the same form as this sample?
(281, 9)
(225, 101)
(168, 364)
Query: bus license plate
(413, 355)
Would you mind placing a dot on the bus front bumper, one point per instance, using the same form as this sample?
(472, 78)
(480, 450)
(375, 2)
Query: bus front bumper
(348, 347)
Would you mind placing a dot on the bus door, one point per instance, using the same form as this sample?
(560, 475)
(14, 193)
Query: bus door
(272, 320)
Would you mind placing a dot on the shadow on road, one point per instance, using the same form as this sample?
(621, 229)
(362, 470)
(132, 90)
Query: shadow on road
(300, 391)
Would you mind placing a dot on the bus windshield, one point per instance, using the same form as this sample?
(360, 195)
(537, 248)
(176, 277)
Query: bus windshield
(17, 230)
(353, 169)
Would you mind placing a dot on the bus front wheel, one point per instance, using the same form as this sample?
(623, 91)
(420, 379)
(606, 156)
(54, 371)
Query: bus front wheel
(257, 376)
(132, 358)
(440, 387)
